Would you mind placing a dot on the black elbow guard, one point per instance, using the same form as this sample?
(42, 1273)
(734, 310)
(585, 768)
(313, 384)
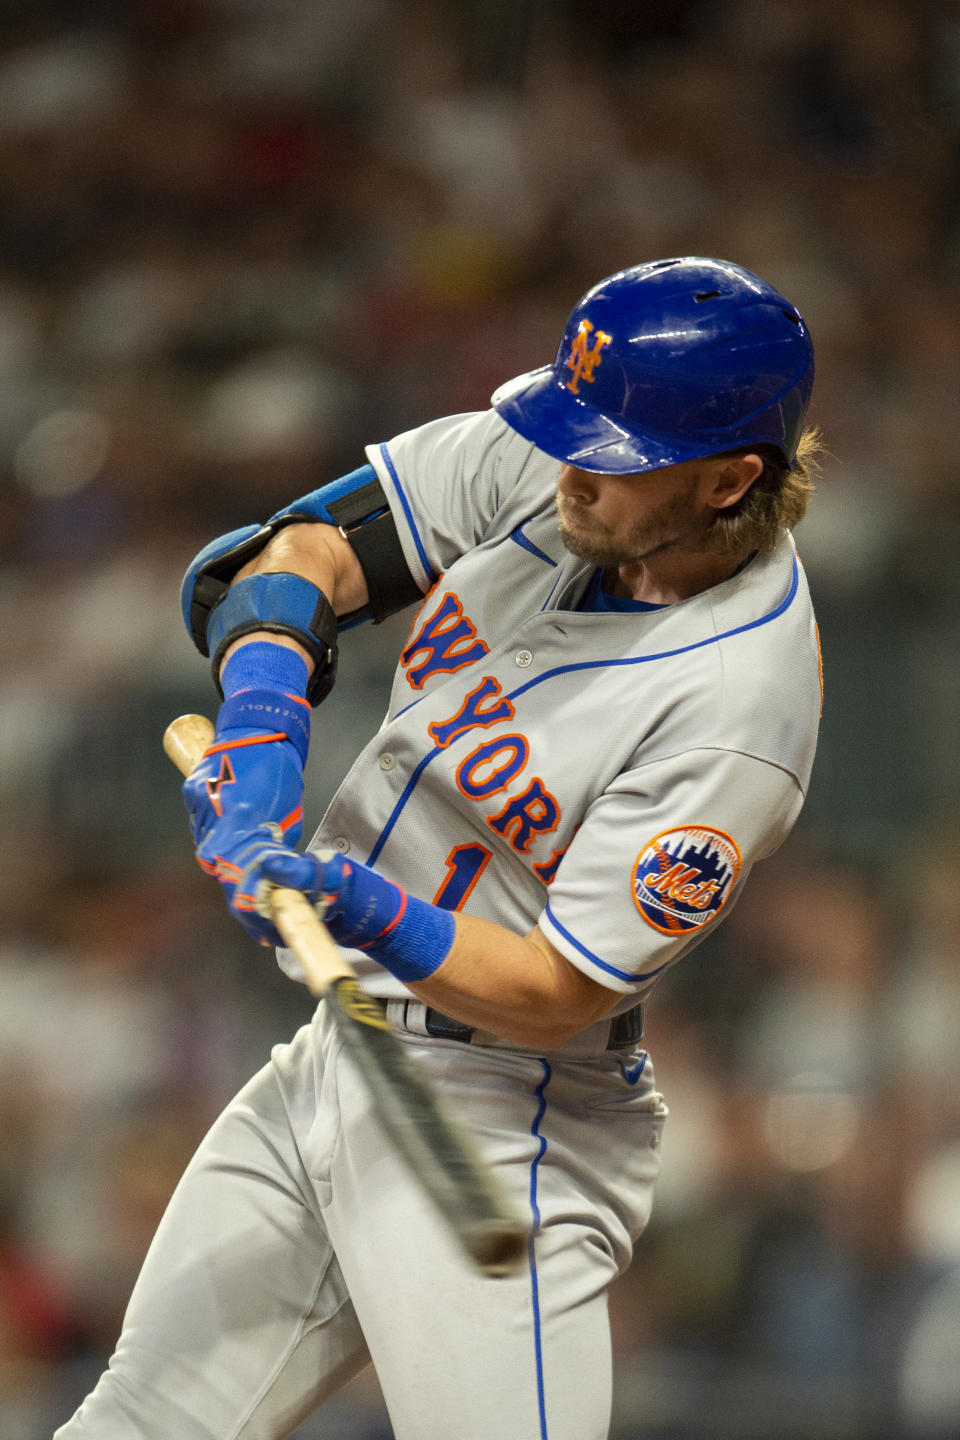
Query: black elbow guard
(216, 612)
(282, 604)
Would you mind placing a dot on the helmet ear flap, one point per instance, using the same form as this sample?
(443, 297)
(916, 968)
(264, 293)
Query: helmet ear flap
(666, 362)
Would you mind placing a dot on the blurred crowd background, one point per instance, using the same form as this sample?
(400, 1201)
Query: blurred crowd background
(240, 238)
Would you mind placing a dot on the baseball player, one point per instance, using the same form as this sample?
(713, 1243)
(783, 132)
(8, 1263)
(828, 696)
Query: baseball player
(604, 714)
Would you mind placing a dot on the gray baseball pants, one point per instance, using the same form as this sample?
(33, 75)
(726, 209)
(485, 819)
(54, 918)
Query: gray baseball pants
(296, 1249)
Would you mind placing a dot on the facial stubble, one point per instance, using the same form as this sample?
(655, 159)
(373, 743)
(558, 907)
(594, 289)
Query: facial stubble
(661, 528)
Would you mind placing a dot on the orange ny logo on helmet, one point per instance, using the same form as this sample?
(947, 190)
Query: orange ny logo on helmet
(583, 361)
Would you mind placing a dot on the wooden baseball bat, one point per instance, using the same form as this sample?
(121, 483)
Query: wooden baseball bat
(439, 1153)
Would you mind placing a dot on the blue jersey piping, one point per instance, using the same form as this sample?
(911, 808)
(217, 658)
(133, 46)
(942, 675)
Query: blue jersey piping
(668, 654)
(427, 567)
(552, 589)
(531, 1243)
(595, 959)
(585, 665)
(407, 791)
(518, 537)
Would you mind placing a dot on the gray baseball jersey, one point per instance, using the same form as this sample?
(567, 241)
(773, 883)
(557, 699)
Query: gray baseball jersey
(611, 776)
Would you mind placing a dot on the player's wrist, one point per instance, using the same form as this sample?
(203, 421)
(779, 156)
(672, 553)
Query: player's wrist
(419, 942)
(277, 603)
(263, 664)
(407, 936)
(265, 687)
(363, 910)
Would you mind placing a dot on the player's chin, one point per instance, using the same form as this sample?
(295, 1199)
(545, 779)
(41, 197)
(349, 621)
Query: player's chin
(573, 530)
(573, 542)
(586, 546)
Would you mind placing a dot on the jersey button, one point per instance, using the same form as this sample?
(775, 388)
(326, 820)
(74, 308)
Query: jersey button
(342, 844)
(523, 658)
(387, 761)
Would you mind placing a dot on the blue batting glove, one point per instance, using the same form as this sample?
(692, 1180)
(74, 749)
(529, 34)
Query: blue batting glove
(247, 793)
(362, 909)
(359, 906)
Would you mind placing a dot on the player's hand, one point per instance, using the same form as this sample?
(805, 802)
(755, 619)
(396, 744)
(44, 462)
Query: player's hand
(362, 909)
(246, 793)
(358, 906)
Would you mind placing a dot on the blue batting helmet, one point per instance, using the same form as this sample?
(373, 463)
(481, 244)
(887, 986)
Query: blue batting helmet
(665, 362)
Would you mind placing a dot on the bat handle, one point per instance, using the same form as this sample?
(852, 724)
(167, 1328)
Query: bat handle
(185, 740)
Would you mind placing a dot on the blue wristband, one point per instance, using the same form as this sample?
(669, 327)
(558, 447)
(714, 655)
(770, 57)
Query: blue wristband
(265, 687)
(264, 666)
(368, 912)
(418, 943)
(407, 936)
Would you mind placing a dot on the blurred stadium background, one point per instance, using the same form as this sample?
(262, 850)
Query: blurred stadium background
(238, 239)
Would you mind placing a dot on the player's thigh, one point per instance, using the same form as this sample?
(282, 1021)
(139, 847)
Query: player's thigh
(240, 1323)
(520, 1358)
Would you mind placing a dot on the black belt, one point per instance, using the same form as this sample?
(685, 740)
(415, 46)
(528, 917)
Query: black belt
(625, 1029)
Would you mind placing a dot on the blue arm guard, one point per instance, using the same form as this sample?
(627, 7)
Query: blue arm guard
(351, 500)
(356, 504)
(209, 574)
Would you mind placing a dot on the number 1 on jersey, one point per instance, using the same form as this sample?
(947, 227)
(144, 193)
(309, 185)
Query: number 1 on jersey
(465, 864)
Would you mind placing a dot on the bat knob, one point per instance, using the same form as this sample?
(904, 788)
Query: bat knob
(185, 740)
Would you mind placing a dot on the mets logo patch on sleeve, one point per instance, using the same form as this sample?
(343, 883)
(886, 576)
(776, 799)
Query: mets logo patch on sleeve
(683, 878)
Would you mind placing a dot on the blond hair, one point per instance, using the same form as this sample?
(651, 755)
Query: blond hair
(777, 500)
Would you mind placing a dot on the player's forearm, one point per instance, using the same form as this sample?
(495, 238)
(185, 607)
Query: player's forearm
(318, 553)
(519, 987)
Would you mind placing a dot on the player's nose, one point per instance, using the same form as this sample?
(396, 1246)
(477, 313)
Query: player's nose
(577, 484)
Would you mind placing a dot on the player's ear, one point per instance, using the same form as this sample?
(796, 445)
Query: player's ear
(729, 478)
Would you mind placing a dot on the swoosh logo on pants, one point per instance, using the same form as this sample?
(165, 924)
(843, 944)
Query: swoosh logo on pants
(633, 1073)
